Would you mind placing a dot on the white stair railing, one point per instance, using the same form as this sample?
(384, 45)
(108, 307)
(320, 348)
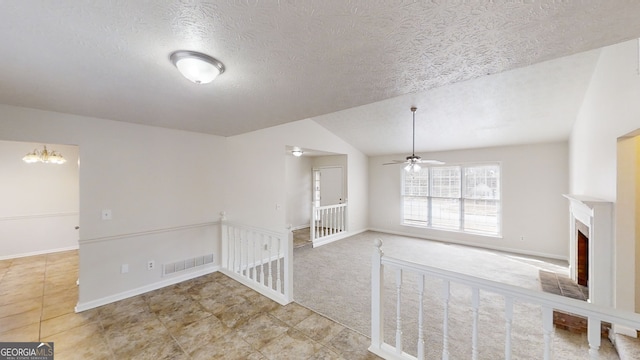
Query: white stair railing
(511, 294)
(328, 221)
(258, 258)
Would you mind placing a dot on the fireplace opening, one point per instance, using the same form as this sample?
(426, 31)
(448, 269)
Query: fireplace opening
(582, 254)
(582, 263)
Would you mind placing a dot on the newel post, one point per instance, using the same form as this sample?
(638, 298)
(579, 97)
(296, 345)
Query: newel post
(377, 286)
(224, 240)
(312, 228)
(288, 266)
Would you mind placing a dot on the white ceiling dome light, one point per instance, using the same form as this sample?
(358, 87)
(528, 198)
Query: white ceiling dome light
(197, 67)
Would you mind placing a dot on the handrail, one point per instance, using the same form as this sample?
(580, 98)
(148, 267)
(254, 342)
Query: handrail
(328, 222)
(330, 206)
(595, 314)
(538, 297)
(258, 258)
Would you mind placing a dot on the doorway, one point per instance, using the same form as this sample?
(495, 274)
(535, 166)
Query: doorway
(328, 186)
(39, 213)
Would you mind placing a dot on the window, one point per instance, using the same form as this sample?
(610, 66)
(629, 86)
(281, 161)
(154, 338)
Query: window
(456, 198)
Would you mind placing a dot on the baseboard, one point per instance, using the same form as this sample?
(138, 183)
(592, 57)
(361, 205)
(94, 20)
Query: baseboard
(475, 245)
(42, 252)
(336, 237)
(144, 289)
(300, 227)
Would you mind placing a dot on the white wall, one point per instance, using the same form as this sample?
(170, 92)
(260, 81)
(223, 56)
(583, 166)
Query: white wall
(611, 109)
(298, 183)
(261, 154)
(39, 207)
(156, 181)
(534, 177)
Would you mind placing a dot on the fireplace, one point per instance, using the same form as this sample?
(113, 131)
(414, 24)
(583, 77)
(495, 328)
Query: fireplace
(591, 246)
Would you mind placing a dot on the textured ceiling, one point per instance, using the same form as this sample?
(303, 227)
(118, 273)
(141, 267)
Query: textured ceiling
(537, 103)
(291, 60)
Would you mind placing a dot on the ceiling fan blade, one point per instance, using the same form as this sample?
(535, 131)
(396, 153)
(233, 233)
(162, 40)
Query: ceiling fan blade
(396, 162)
(432, 162)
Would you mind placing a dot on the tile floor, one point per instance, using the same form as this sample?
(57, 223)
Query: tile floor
(301, 237)
(210, 317)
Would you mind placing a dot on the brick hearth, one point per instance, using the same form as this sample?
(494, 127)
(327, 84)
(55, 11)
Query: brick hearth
(564, 286)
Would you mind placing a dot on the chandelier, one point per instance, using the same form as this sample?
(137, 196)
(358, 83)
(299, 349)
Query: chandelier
(44, 156)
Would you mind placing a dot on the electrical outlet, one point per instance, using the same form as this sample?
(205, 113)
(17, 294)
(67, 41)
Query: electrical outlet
(151, 265)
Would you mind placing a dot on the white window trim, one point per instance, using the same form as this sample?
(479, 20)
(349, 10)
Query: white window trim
(461, 230)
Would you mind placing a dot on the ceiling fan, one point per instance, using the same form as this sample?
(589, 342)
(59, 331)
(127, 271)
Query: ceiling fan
(413, 162)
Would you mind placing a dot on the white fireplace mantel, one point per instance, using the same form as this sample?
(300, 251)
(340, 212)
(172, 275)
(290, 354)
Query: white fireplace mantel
(598, 216)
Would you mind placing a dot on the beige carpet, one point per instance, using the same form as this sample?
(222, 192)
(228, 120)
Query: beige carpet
(335, 280)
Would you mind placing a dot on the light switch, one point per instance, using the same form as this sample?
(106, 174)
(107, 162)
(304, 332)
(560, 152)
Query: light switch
(106, 214)
(124, 268)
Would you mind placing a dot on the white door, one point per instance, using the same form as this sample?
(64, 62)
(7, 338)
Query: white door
(328, 185)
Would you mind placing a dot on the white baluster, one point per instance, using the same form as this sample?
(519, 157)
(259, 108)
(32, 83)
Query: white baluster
(236, 251)
(508, 312)
(475, 304)
(333, 221)
(446, 294)
(593, 335)
(278, 257)
(326, 222)
(261, 277)
(230, 249)
(421, 317)
(398, 310)
(269, 260)
(323, 219)
(246, 253)
(252, 272)
(312, 228)
(547, 329)
(328, 226)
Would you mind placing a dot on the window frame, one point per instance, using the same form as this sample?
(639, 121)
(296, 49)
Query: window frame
(428, 223)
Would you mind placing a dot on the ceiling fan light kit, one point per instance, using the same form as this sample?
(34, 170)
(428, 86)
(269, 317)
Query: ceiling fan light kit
(413, 161)
(197, 67)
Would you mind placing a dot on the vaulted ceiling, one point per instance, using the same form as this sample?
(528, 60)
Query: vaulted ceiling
(482, 73)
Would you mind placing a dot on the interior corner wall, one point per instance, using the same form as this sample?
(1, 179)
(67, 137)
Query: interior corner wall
(39, 207)
(164, 188)
(535, 218)
(256, 184)
(298, 184)
(636, 240)
(626, 215)
(611, 109)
